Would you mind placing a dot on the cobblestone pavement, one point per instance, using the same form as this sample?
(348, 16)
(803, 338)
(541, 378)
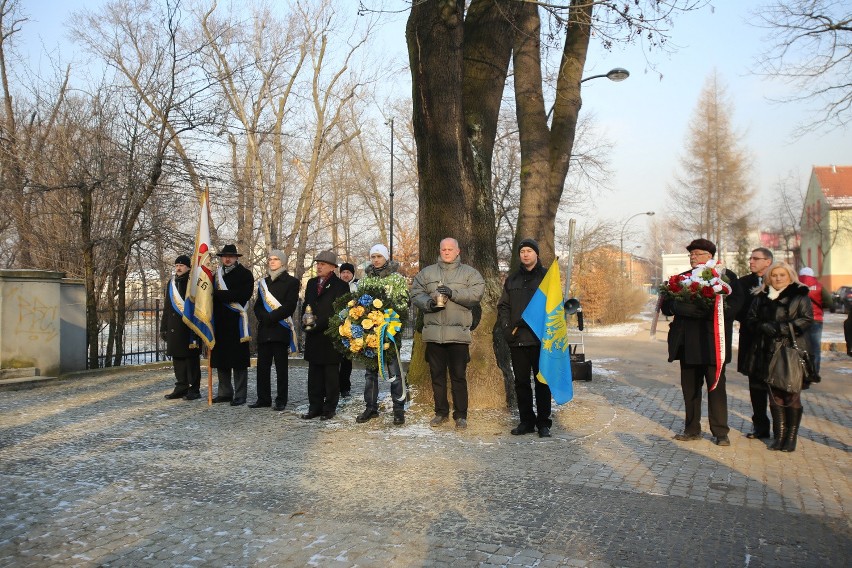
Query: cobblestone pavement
(100, 470)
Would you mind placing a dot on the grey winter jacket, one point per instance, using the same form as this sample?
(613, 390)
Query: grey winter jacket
(451, 324)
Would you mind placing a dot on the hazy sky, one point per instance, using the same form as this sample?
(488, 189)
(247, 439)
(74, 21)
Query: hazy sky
(645, 116)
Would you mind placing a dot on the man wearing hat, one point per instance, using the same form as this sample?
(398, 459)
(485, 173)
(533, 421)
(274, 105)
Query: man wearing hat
(524, 345)
(347, 274)
(323, 359)
(821, 299)
(233, 287)
(182, 345)
(277, 295)
(691, 341)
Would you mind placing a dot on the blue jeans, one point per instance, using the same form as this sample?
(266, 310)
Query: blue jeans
(371, 387)
(814, 337)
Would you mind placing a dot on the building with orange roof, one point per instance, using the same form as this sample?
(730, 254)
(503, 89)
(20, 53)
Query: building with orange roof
(826, 225)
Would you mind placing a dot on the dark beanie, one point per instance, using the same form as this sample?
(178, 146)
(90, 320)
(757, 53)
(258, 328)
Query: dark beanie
(702, 244)
(347, 266)
(528, 243)
(183, 259)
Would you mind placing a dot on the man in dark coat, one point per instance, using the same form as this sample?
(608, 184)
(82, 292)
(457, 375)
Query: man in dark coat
(691, 341)
(233, 288)
(323, 359)
(524, 345)
(347, 274)
(758, 264)
(277, 295)
(182, 345)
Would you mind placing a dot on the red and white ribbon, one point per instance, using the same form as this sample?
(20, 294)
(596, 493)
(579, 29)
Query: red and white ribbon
(718, 337)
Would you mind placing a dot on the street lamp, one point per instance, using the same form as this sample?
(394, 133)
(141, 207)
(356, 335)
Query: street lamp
(618, 74)
(621, 246)
(390, 248)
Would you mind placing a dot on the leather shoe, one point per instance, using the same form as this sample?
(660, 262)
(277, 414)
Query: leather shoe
(461, 423)
(192, 395)
(687, 437)
(327, 416)
(222, 399)
(366, 415)
(522, 429)
(174, 394)
(544, 432)
(279, 406)
(259, 405)
(238, 401)
(309, 415)
(438, 420)
(757, 435)
(722, 441)
(398, 418)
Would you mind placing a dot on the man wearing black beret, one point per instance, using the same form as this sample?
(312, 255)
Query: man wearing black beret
(182, 345)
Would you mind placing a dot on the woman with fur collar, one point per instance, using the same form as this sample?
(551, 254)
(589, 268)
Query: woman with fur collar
(782, 299)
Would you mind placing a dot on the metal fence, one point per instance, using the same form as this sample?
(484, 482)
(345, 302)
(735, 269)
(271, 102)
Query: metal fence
(141, 341)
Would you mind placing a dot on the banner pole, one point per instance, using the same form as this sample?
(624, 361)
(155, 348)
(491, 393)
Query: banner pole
(209, 380)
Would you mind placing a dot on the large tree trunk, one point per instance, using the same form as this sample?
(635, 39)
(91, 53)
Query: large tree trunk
(457, 85)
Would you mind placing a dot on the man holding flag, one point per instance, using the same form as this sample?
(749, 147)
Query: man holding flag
(545, 316)
(524, 345)
(198, 307)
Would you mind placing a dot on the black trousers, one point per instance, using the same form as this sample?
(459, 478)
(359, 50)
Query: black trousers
(759, 398)
(268, 352)
(525, 367)
(345, 375)
(238, 391)
(187, 373)
(452, 357)
(692, 379)
(323, 388)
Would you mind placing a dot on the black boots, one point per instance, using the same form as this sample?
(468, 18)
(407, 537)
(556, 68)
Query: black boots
(794, 418)
(779, 425)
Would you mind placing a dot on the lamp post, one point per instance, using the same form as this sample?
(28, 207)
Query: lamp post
(618, 74)
(621, 246)
(390, 248)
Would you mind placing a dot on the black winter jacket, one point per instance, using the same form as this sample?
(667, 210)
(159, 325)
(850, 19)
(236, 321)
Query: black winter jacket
(318, 347)
(229, 352)
(178, 335)
(767, 321)
(518, 290)
(285, 289)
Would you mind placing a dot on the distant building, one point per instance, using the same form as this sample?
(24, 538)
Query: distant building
(826, 225)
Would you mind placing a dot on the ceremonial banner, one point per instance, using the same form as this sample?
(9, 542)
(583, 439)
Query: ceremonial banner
(198, 306)
(545, 314)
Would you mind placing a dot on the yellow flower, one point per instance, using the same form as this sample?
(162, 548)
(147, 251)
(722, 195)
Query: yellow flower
(350, 304)
(356, 312)
(372, 341)
(346, 329)
(377, 303)
(377, 317)
(367, 323)
(356, 345)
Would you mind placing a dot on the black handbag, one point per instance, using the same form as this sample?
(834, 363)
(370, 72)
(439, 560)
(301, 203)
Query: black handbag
(788, 367)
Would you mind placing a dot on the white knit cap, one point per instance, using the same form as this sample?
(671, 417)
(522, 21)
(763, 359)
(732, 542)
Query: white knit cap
(381, 249)
(806, 271)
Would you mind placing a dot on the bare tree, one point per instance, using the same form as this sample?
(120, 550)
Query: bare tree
(712, 195)
(810, 48)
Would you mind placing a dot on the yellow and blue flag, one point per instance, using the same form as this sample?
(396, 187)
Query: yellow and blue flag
(545, 314)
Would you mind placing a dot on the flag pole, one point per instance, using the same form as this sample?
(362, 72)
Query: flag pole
(209, 379)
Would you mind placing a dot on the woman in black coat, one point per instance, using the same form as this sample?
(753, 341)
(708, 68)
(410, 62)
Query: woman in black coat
(781, 300)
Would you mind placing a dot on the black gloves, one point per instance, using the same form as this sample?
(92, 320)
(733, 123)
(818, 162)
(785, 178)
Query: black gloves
(445, 291)
(769, 329)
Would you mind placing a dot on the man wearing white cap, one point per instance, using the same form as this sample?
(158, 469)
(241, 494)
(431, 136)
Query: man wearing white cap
(821, 299)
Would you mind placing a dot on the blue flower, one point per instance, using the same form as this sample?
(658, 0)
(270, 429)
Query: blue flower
(345, 342)
(357, 331)
(366, 300)
(368, 352)
(343, 313)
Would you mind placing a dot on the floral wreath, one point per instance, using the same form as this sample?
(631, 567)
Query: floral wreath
(369, 318)
(700, 286)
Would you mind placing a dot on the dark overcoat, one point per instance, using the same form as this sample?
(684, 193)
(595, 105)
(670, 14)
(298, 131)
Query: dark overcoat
(518, 290)
(318, 347)
(792, 305)
(178, 335)
(747, 283)
(285, 289)
(691, 331)
(229, 352)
